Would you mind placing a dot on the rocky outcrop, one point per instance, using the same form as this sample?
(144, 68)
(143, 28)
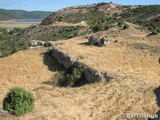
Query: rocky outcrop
(35, 43)
(67, 61)
(94, 40)
(103, 42)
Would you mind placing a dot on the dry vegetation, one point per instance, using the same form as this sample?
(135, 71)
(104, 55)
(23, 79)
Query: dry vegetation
(132, 62)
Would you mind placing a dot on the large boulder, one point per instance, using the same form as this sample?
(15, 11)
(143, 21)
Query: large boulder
(93, 39)
(48, 44)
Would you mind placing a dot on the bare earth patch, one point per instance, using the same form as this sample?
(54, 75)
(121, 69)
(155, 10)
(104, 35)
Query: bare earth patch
(82, 23)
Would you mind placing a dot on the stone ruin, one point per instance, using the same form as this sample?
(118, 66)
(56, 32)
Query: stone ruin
(92, 75)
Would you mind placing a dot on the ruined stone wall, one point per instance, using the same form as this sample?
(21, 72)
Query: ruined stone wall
(67, 61)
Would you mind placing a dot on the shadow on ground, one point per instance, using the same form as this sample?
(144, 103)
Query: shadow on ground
(157, 93)
(84, 43)
(7, 116)
(52, 64)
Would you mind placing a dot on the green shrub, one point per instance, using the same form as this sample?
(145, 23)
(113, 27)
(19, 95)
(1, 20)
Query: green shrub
(75, 76)
(25, 47)
(126, 26)
(75, 34)
(72, 77)
(18, 101)
(107, 26)
(154, 29)
(14, 50)
(15, 30)
(97, 28)
(69, 36)
(58, 79)
(154, 32)
(121, 22)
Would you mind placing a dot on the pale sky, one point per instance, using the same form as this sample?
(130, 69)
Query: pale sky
(54, 5)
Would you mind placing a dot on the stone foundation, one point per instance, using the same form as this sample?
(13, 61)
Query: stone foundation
(67, 61)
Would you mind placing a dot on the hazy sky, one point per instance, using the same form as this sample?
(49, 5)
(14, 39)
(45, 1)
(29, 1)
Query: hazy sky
(53, 5)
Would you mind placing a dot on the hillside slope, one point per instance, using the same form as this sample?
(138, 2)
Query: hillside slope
(94, 16)
(21, 14)
(67, 23)
(132, 62)
(107, 13)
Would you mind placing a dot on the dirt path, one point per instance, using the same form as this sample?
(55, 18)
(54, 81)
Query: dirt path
(82, 23)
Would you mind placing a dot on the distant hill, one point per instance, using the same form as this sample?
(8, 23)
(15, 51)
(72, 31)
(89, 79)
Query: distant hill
(21, 14)
(107, 13)
(98, 17)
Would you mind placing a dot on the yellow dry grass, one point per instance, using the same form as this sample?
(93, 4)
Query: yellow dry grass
(136, 73)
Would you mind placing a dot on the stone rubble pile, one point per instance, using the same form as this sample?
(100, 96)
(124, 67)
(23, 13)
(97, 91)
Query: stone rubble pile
(35, 43)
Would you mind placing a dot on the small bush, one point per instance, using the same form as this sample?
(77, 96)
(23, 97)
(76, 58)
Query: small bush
(107, 26)
(154, 29)
(97, 28)
(14, 50)
(154, 32)
(69, 36)
(25, 47)
(58, 79)
(121, 22)
(75, 76)
(126, 26)
(18, 101)
(72, 77)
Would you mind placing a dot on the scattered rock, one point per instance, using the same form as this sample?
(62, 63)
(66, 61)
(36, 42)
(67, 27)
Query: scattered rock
(93, 40)
(40, 43)
(104, 41)
(3, 111)
(116, 41)
(32, 43)
(48, 44)
(35, 43)
(87, 37)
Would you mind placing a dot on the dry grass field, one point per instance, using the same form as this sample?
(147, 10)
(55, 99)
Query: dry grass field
(132, 62)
